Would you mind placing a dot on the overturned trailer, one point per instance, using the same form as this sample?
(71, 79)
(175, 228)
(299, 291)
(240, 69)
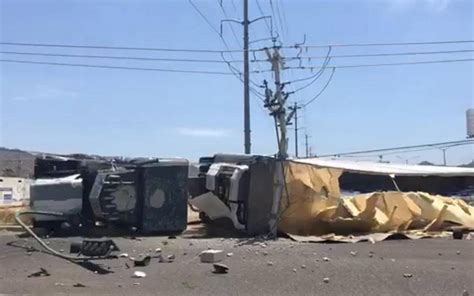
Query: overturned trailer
(239, 188)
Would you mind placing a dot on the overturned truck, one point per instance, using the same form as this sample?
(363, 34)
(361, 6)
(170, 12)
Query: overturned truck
(142, 195)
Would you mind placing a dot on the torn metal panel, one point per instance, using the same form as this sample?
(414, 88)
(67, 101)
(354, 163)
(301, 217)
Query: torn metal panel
(315, 207)
(378, 168)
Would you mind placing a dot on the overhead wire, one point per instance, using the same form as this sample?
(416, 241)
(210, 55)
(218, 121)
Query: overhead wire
(435, 145)
(384, 44)
(116, 67)
(122, 47)
(237, 73)
(322, 90)
(316, 76)
(381, 54)
(384, 64)
(115, 57)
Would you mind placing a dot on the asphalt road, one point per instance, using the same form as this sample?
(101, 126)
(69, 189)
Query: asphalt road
(438, 267)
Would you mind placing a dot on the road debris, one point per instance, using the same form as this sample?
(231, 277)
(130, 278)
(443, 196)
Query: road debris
(40, 273)
(294, 270)
(353, 253)
(158, 250)
(326, 280)
(142, 262)
(220, 268)
(230, 254)
(326, 259)
(407, 275)
(171, 258)
(465, 293)
(123, 255)
(303, 266)
(270, 263)
(211, 256)
(139, 274)
(79, 285)
(458, 252)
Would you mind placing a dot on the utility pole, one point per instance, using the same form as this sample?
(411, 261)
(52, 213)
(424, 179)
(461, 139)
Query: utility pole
(246, 79)
(245, 23)
(444, 155)
(294, 112)
(276, 103)
(306, 144)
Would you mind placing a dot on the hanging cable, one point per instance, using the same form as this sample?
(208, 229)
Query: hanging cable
(322, 90)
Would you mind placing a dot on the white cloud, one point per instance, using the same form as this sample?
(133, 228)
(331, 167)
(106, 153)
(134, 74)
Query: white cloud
(433, 5)
(203, 132)
(45, 92)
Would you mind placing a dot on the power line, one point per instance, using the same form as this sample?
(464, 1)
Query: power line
(231, 28)
(122, 47)
(116, 67)
(382, 44)
(322, 90)
(384, 64)
(279, 20)
(265, 20)
(435, 145)
(380, 54)
(116, 57)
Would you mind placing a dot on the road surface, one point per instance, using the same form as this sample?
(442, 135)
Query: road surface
(282, 267)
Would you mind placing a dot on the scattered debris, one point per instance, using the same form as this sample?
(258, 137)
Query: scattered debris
(29, 253)
(440, 254)
(465, 293)
(59, 284)
(303, 266)
(136, 284)
(79, 285)
(265, 253)
(407, 275)
(139, 274)
(158, 250)
(220, 268)
(171, 258)
(326, 259)
(371, 255)
(230, 254)
(61, 250)
(353, 253)
(393, 260)
(326, 280)
(263, 245)
(123, 255)
(270, 263)
(294, 269)
(371, 240)
(458, 234)
(458, 252)
(41, 272)
(127, 266)
(165, 243)
(143, 262)
(211, 256)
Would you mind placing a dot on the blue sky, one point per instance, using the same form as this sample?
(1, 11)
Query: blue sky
(134, 113)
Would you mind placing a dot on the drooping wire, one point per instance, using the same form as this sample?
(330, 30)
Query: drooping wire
(322, 90)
